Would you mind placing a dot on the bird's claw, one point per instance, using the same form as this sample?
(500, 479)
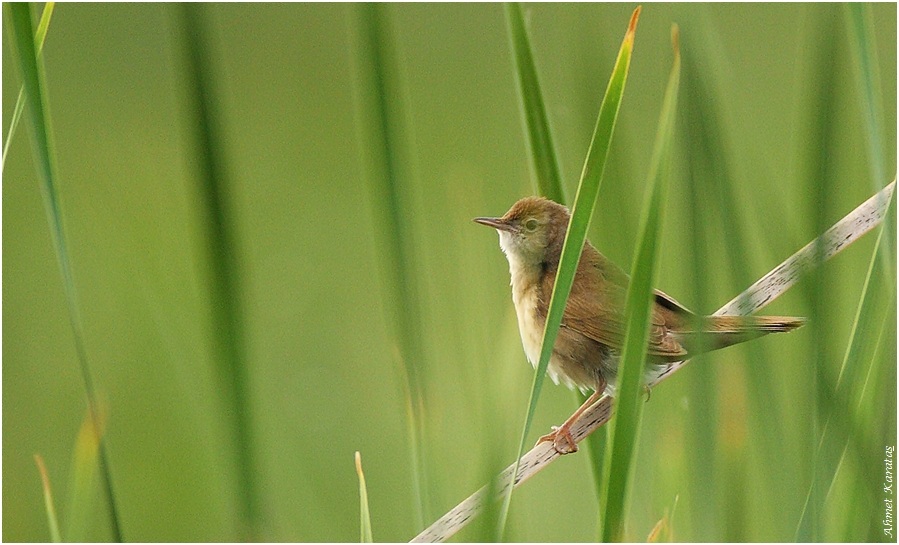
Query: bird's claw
(561, 439)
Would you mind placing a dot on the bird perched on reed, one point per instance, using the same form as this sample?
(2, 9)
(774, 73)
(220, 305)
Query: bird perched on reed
(587, 350)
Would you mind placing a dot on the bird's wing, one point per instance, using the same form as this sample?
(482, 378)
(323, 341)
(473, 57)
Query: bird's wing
(599, 315)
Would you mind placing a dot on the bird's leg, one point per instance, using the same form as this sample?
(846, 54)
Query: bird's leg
(561, 435)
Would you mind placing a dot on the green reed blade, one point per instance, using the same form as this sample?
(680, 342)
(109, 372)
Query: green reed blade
(540, 143)
(638, 309)
(44, 151)
(838, 424)
(581, 212)
(864, 54)
(39, 37)
(52, 520)
(820, 180)
(364, 513)
(380, 134)
(227, 314)
(546, 167)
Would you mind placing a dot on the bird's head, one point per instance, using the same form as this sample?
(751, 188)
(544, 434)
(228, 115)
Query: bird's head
(532, 231)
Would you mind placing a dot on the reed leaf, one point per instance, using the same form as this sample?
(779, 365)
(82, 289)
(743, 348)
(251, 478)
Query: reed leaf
(705, 164)
(364, 514)
(576, 235)
(838, 426)
(638, 309)
(83, 477)
(227, 314)
(868, 80)
(540, 143)
(546, 167)
(39, 37)
(713, 187)
(44, 151)
(820, 180)
(379, 134)
(864, 54)
(52, 520)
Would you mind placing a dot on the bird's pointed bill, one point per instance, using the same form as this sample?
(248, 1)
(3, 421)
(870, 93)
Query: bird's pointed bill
(496, 223)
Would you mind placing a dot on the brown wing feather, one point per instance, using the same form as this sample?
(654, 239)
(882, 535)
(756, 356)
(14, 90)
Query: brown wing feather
(596, 309)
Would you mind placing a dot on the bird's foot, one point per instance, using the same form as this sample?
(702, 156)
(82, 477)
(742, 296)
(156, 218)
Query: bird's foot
(561, 439)
(647, 391)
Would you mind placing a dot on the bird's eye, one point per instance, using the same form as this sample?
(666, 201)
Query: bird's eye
(531, 224)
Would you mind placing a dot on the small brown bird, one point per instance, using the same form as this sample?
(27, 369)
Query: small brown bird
(588, 346)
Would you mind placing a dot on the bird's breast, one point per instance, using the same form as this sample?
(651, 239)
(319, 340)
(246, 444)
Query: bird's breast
(526, 295)
(530, 322)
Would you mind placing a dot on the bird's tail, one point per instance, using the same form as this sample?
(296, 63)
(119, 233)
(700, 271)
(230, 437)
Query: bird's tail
(716, 332)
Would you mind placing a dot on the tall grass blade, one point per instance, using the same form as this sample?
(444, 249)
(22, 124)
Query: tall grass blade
(878, 409)
(545, 164)
(820, 161)
(364, 514)
(704, 157)
(581, 212)
(838, 425)
(227, 315)
(713, 187)
(44, 150)
(380, 132)
(638, 310)
(861, 42)
(83, 477)
(864, 54)
(663, 531)
(52, 520)
(540, 144)
(39, 36)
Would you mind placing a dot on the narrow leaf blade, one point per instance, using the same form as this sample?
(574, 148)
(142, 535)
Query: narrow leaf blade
(224, 277)
(540, 144)
(39, 37)
(584, 203)
(380, 114)
(546, 166)
(43, 149)
(638, 311)
(364, 514)
(52, 520)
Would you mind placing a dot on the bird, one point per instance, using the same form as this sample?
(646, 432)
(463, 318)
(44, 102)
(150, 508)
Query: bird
(587, 350)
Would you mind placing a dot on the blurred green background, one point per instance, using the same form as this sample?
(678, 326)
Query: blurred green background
(730, 439)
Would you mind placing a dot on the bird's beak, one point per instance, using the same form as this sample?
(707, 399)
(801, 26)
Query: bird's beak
(497, 223)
